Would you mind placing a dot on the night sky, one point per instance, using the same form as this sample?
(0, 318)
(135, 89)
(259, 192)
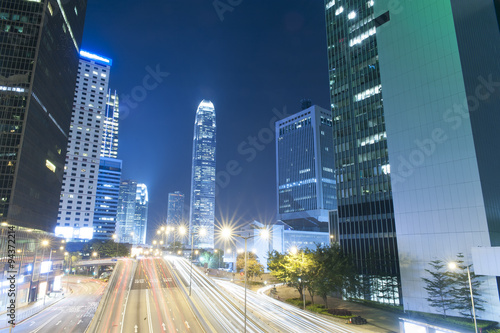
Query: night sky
(263, 55)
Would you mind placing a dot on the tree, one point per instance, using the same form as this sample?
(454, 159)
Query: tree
(291, 269)
(254, 267)
(333, 272)
(460, 290)
(439, 287)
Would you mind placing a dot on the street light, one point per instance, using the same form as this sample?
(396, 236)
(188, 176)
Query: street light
(201, 232)
(294, 251)
(453, 266)
(227, 233)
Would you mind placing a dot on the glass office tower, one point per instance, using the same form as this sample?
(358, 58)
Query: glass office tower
(39, 45)
(439, 64)
(366, 227)
(203, 175)
(175, 211)
(304, 174)
(132, 216)
(106, 201)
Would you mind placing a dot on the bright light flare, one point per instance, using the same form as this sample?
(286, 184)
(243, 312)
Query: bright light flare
(294, 250)
(452, 265)
(226, 233)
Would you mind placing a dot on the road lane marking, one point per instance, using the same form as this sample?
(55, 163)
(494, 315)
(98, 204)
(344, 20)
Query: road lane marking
(32, 323)
(135, 327)
(79, 322)
(187, 324)
(58, 322)
(150, 321)
(163, 325)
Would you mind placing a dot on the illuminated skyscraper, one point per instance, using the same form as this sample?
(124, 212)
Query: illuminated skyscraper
(132, 217)
(109, 147)
(366, 226)
(40, 41)
(203, 175)
(78, 194)
(175, 212)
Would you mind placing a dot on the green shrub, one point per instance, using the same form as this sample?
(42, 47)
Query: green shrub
(340, 312)
(298, 302)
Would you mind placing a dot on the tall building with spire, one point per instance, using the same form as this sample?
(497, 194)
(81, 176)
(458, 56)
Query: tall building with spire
(203, 176)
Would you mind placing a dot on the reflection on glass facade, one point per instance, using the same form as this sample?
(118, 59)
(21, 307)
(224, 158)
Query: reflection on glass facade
(141, 213)
(38, 67)
(366, 227)
(203, 175)
(132, 216)
(304, 169)
(109, 147)
(106, 202)
(175, 211)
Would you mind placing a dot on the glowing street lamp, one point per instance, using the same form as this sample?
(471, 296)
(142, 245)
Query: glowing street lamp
(228, 233)
(453, 266)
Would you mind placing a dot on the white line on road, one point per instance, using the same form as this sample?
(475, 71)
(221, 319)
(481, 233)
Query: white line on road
(135, 327)
(58, 322)
(187, 324)
(150, 321)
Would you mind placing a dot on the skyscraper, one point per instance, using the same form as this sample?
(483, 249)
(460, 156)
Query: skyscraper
(305, 178)
(110, 171)
(132, 216)
(141, 213)
(203, 175)
(107, 194)
(109, 147)
(78, 194)
(440, 70)
(175, 212)
(365, 226)
(38, 68)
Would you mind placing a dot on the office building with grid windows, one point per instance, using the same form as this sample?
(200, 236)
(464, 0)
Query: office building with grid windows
(78, 194)
(305, 178)
(365, 224)
(203, 176)
(39, 45)
(132, 216)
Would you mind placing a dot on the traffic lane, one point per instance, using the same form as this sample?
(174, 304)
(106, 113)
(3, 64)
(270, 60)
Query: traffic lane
(81, 304)
(113, 311)
(137, 318)
(179, 309)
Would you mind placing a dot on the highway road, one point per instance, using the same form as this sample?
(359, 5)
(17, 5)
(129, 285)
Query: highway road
(222, 303)
(71, 314)
(146, 299)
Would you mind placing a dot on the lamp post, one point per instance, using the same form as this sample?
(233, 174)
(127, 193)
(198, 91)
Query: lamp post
(454, 266)
(114, 237)
(294, 251)
(47, 277)
(227, 233)
(201, 232)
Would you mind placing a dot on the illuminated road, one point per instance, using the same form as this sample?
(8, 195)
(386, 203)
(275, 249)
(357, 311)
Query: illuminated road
(71, 314)
(222, 303)
(282, 316)
(146, 299)
(213, 304)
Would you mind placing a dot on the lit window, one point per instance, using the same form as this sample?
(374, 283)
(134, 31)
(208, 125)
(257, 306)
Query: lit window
(339, 10)
(50, 166)
(351, 15)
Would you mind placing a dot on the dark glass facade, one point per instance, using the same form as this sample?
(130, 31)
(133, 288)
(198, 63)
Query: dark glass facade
(366, 227)
(305, 177)
(39, 44)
